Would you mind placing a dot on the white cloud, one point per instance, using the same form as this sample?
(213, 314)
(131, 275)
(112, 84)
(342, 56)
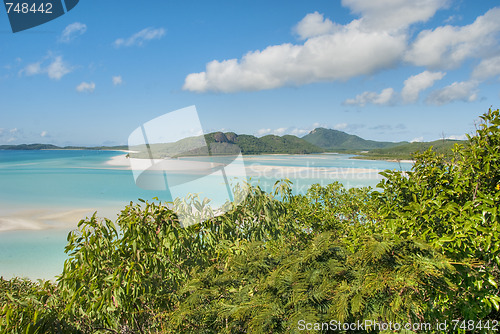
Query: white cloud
(417, 140)
(330, 52)
(384, 98)
(344, 54)
(449, 46)
(86, 87)
(72, 31)
(139, 38)
(313, 25)
(394, 14)
(44, 134)
(487, 68)
(458, 91)
(117, 80)
(14, 130)
(417, 83)
(55, 69)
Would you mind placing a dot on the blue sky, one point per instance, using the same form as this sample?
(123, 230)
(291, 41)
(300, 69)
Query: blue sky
(384, 70)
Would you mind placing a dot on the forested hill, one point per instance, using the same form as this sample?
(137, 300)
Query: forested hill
(334, 140)
(228, 143)
(249, 144)
(406, 151)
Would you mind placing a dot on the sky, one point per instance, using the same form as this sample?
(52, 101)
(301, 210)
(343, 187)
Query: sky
(388, 70)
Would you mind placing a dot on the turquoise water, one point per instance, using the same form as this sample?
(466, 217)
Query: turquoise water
(44, 194)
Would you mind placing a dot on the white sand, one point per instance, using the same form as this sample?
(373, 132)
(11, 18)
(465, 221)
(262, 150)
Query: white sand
(42, 219)
(172, 165)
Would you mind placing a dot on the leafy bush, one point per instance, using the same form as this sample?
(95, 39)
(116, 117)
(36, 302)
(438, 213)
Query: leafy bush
(453, 206)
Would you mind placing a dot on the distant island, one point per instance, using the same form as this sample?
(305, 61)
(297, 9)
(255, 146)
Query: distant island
(319, 140)
(38, 147)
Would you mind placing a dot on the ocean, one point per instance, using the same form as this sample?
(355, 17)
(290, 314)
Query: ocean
(43, 195)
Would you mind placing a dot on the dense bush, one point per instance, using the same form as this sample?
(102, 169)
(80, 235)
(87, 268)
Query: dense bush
(423, 247)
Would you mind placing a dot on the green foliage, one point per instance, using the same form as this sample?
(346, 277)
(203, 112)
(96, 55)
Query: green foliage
(453, 205)
(31, 307)
(268, 290)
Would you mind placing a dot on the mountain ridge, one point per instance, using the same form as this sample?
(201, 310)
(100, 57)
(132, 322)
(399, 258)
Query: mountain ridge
(337, 140)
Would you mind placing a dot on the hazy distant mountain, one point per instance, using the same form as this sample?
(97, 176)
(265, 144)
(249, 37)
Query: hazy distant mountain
(29, 147)
(335, 140)
(35, 147)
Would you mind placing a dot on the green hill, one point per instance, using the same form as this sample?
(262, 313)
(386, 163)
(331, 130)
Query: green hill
(221, 143)
(334, 140)
(275, 144)
(405, 151)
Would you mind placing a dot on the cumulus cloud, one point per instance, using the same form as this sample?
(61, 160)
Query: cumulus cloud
(313, 25)
(394, 14)
(344, 54)
(417, 83)
(54, 67)
(487, 68)
(72, 31)
(86, 87)
(117, 80)
(458, 91)
(139, 38)
(385, 97)
(44, 134)
(376, 41)
(449, 46)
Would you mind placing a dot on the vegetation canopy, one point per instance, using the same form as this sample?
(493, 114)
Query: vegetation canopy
(422, 247)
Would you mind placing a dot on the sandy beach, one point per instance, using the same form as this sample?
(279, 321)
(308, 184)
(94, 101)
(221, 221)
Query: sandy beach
(50, 218)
